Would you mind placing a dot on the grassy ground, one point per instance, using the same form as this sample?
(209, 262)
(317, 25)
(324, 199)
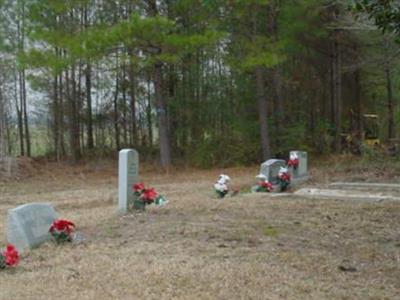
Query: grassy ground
(198, 247)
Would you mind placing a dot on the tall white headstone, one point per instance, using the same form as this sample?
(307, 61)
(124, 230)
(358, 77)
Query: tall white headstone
(28, 225)
(300, 174)
(128, 174)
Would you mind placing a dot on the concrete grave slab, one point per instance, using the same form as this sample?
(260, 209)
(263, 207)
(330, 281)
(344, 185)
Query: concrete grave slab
(28, 225)
(343, 195)
(366, 186)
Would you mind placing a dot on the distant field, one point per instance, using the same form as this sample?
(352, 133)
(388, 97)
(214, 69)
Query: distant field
(199, 247)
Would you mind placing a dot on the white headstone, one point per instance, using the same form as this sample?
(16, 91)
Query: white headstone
(301, 172)
(28, 225)
(128, 174)
(270, 169)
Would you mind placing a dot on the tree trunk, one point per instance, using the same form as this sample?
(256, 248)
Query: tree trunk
(132, 91)
(165, 153)
(337, 90)
(89, 116)
(163, 135)
(272, 28)
(25, 116)
(149, 118)
(20, 130)
(55, 124)
(124, 109)
(278, 105)
(262, 113)
(115, 102)
(60, 120)
(3, 125)
(390, 103)
(73, 118)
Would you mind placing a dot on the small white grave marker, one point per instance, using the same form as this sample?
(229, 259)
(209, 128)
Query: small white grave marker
(28, 225)
(128, 174)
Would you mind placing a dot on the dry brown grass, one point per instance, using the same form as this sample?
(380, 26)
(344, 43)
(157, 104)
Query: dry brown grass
(199, 247)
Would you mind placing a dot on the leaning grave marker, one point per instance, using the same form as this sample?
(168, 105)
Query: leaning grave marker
(128, 174)
(28, 225)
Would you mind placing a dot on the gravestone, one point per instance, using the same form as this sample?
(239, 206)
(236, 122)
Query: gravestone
(28, 225)
(270, 170)
(128, 174)
(300, 174)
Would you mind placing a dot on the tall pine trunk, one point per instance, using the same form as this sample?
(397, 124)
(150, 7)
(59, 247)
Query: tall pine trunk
(262, 113)
(165, 152)
(390, 103)
(116, 113)
(25, 114)
(89, 115)
(163, 134)
(336, 89)
(132, 91)
(3, 127)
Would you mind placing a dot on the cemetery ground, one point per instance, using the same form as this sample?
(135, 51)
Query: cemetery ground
(252, 246)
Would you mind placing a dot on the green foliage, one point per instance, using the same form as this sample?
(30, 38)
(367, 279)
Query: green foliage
(225, 150)
(386, 14)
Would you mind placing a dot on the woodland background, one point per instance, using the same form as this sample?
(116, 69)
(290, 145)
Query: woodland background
(203, 83)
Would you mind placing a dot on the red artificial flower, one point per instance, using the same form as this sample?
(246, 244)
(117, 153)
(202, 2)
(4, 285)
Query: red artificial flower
(267, 185)
(62, 225)
(149, 195)
(293, 163)
(138, 187)
(11, 256)
(284, 177)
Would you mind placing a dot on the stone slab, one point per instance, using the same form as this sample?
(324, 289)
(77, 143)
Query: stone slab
(366, 185)
(343, 195)
(28, 225)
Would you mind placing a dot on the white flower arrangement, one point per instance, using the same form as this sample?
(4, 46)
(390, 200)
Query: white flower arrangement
(221, 186)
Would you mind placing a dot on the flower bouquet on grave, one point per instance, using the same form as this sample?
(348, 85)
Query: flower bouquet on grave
(293, 161)
(144, 196)
(61, 230)
(221, 186)
(283, 178)
(138, 189)
(263, 186)
(9, 257)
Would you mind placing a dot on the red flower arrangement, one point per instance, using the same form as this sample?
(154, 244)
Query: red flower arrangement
(264, 186)
(9, 257)
(148, 195)
(284, 178)
(144, 196)
(138, 188)
(293, 163)
(61, 230)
